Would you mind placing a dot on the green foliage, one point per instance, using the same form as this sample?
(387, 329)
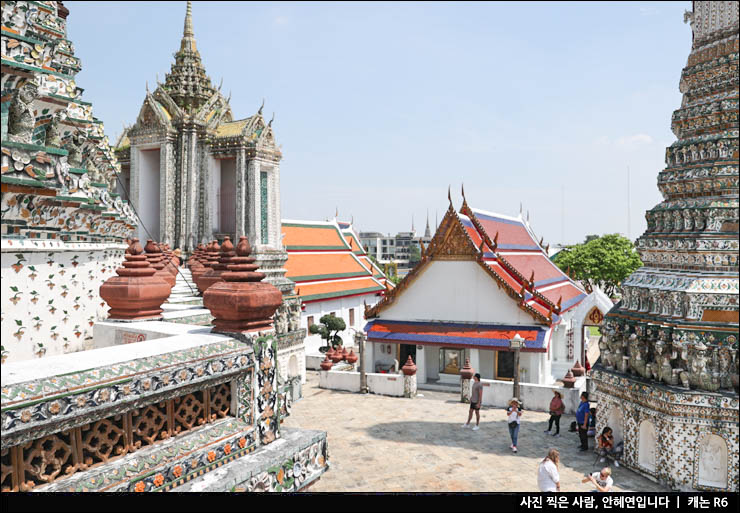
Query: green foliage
(604, 261)
(328, 330)
(414, 255)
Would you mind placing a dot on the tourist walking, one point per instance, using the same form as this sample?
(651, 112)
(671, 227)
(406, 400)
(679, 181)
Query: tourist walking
(548, 477)
(557, 408)
(476, 397)
(602, 480)
(607, 448)
(514, 416)
(582, 414)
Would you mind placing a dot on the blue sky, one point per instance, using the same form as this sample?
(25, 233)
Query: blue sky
(380, 106)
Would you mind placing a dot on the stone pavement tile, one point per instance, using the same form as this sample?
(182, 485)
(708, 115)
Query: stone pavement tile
(379, 443)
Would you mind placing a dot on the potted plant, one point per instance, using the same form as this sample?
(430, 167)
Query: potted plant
(328, 330)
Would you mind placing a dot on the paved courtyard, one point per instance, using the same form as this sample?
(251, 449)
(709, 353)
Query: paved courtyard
(389, 444)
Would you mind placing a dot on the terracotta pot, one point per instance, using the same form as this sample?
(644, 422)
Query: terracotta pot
(326, 364)
(336, 357)
(156, 259)
(467, 372)
(569, 380)
(345, 353)
(352, 357)
(214, 275)
(578, 369)
(212, 256)
(242, 302)
(409, 368)
(136, 293)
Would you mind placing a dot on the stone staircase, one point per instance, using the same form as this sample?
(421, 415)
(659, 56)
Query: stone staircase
(184, 306)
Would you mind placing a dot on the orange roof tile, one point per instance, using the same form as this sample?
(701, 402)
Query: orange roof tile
(337, 288)
(312, 236)
(322, 266)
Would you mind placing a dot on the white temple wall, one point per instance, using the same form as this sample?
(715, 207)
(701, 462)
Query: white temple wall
(149, 193)
(477, 298)
(486, 362)
(50, 295)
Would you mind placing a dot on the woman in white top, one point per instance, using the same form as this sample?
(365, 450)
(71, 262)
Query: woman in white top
(514, 414)
(548, 478)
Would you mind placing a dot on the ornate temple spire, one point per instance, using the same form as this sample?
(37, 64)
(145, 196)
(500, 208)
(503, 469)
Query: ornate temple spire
(427, 232)
(187, 82)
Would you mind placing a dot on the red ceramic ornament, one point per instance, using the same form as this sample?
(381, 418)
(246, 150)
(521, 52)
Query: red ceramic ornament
(214, 275)
(242, 302)
(409, 368)
(211, 258)
(136, 293)
(467, 371)
(326, 364)
(352, 357)
(156, 259)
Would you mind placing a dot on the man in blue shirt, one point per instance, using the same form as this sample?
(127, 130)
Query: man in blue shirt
(582, 414)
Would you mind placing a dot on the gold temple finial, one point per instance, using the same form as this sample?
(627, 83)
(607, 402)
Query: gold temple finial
(449, 196)
(188, 29)
(188, 36)
(261, 107)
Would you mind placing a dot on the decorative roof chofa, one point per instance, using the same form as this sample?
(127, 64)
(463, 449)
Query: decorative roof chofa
(452, 241)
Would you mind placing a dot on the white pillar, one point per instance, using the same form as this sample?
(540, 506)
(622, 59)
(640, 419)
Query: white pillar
(369, 356)
(475, 359)
(421, 365)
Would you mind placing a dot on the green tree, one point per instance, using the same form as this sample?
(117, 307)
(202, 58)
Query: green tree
(414, 255)
(604, 261)
(329, 330)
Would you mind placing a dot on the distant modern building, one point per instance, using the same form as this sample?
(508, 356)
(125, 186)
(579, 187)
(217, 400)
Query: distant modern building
(396, 249)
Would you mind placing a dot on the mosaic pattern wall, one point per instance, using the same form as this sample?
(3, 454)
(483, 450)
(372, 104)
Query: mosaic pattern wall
(50, 295)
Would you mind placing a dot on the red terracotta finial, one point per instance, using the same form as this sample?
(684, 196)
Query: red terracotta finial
(467, 371)
(211, 258)
(578, 369)
(136, 293)
(326, 364)
(409, 368)
(352, 357)
(157, 260)
(242, 302)
(214, 274)
(568, 380)
(345, 353)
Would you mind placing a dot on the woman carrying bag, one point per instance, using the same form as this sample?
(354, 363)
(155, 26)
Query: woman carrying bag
(514, 415)
(557, 408)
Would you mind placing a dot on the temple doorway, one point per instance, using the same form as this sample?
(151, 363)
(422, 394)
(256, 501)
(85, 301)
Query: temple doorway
(504, 365)
(227, 197)
(404, 351)
(590, 333)
(149, 183)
